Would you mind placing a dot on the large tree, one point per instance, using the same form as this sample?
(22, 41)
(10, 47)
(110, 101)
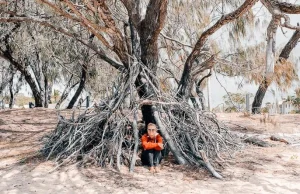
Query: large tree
(267, 80)
(127, 38)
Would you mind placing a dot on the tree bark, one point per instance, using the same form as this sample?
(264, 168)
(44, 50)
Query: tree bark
(144, 91)
(11, 93)
(7, 55)
(185, 84)
(4, 83)
(46, 85)
(136, 142)
(259, 96)
(65, 93)
(39, 101)
(270, 62)
(50, 86)
(80, 87)
(177, 154)
(199, 91)
(148, 30)
(263, 87)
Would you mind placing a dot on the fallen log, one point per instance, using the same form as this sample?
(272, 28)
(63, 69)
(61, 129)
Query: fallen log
(256, 141)
(276, 138)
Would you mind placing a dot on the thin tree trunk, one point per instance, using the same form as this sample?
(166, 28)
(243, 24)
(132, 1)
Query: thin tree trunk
(46, 92)
(263, 87)
(136, 142)
(50, 86)
(38, 97)
(11, 92)
(259, 96)
(79, 89)
(4, 84)
(201, 99)
(65, 93)
(194, 101)
(7, 55)
(199, 91)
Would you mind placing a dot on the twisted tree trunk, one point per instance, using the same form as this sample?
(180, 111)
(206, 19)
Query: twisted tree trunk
(263, 87)
(38, 97)
(7, 54)
(186, 81)
(66, 92)
(46, 92)
(259, 96)
(80, 87)
(11, 93)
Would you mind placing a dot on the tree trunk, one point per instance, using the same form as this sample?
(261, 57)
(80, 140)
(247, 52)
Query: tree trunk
(259, 96)
(194, 101)
(38, 97)
(65, 93)
(80, 87)
(7, 55)
(199, 91)
(46, 92)
(148, 30)
(144, 92)
(11, 92)
(176, 152)
(263, 87)
(185, 83)
(4, 84)
(50, 86)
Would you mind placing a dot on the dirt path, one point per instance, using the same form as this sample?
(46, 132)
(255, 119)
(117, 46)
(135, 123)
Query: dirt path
(252, 170)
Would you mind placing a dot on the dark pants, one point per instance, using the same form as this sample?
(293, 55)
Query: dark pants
(151, 157)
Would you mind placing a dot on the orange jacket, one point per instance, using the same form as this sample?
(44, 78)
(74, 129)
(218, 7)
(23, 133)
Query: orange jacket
(149, 144)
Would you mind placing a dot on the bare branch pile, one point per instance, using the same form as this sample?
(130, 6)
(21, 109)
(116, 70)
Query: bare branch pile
(108, 136)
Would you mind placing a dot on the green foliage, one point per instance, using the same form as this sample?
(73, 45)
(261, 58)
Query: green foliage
(265, 110)
(234, 101)
(297, 91)
(56, 94)
(296, 102)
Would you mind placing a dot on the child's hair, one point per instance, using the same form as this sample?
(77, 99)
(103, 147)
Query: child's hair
(151, 124)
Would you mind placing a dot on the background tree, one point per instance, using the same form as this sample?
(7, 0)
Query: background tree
(234, 101)
(284, 69)
(56, 94)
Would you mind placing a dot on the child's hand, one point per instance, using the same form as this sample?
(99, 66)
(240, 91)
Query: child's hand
(160, 145)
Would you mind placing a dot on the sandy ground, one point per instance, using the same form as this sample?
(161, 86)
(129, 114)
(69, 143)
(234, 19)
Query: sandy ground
(252, 170)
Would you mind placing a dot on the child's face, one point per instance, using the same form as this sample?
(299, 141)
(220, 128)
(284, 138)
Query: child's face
(151, 131)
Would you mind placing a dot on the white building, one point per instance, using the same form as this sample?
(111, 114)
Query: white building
(283, 107)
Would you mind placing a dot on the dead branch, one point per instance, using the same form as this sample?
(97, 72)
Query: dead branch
(106, 136)
(256, 141)
(275, 138)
